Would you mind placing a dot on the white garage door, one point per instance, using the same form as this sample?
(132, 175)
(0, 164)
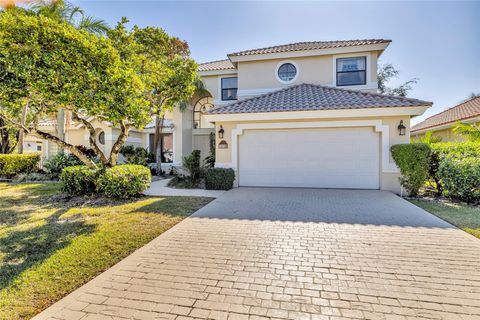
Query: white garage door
(315, 158)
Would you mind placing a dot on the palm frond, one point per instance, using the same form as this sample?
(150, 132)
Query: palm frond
(469, 131)
(183, 105)
(429, 138)
(93, 25)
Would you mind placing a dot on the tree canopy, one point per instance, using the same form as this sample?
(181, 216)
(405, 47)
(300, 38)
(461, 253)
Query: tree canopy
(123, 79)
(385, 73)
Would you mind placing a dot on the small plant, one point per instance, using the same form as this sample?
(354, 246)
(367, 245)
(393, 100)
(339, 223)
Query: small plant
(136, 155)
(124, 181)
(210, 159)
(191, 163)
(219, 179)
(13, 164)
(79, 180)
(413, 161)
(58, 162)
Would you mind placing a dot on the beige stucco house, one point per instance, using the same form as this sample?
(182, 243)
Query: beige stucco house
(441, 124)
(297, 115)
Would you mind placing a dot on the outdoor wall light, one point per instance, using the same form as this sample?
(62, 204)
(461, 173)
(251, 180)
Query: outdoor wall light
(221, 132)
(401, 128)
(223, 145)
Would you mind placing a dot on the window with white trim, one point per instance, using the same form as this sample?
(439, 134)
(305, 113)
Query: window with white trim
(351, 71)
(287, 72)
(229, 88)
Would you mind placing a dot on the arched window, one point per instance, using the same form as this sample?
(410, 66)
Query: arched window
(202, 106)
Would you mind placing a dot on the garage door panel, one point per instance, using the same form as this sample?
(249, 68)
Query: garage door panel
(321, 158)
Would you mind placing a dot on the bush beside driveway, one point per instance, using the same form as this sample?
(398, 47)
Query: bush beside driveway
(51, 244)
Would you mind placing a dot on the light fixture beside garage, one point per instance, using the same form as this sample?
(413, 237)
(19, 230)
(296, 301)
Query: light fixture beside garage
(221, 132)
(223, 145)
(401, 128)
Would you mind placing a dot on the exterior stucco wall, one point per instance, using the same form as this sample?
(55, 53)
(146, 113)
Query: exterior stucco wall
(388, 181)
(447, 135)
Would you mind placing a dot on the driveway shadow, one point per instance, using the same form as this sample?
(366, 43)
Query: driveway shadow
(365, 207)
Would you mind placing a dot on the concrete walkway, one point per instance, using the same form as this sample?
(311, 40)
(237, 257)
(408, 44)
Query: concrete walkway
(258, 253)
(159, 188)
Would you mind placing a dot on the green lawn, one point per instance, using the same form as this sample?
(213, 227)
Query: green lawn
(465, 217)
(50, 245)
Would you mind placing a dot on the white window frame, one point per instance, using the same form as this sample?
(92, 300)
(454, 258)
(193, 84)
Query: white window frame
(368, 70)
(282, 63)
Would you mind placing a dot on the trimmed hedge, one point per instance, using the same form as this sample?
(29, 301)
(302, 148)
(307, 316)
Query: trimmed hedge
(13, 164)
(458, 150)
(413, 160)
(219, 179)
(79, 180)
(124, 181)
(460, 178)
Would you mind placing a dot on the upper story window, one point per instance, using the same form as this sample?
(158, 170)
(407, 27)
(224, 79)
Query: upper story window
(229, 88)
(351, 71)
(287, 72)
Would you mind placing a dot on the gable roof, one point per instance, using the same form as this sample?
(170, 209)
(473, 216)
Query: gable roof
(463, 111)
(311, 45)
(308, 97)
(216, 65)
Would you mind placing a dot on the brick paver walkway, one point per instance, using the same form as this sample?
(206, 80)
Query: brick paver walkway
(292, 254)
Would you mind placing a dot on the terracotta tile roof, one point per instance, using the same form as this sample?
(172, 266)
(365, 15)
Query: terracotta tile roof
(47, 123)
(305, 97)
(167, 123)
(463, 111)
(216, 65)
(312, 45)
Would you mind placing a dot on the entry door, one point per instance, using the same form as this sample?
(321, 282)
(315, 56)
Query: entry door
(312, 158)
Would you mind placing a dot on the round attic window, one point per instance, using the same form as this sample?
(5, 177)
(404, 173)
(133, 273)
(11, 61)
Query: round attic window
(287, 72)
(101, 137)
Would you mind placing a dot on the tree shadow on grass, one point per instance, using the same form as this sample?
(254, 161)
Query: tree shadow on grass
(24, 248)
(174, 206)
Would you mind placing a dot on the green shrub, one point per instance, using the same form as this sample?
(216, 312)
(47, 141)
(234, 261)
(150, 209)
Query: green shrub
(136, 155)
(456, 149)
(413, 160)
(13, 164)
(124, 181)
(79, 180)
(460, 178)
(191, 163)
(60, 161)
(219, 179)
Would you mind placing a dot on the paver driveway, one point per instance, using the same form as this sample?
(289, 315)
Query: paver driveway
(293, 254)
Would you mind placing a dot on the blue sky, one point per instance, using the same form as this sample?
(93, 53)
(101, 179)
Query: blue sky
(437, 42)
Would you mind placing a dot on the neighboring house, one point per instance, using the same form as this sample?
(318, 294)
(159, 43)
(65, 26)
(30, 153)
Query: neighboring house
(442, 123)
(297, 115)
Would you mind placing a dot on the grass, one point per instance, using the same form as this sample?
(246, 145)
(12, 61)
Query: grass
(50, 245)
(461, 215)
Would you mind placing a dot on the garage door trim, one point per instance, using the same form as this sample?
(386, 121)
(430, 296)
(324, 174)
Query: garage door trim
(384, 130)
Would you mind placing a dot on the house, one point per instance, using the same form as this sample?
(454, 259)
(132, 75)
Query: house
(441, 124)
(298, 115)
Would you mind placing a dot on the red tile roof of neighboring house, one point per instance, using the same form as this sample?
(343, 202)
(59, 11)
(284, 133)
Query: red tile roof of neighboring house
(306, 97)
(311, 45)
(463, 111)
(216, 65)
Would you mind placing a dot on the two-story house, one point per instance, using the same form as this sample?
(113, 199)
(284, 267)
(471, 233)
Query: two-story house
(296, 115)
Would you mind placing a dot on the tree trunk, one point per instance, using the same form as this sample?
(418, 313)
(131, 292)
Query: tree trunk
(4, 138)
(117, 146)
(158, 142)
(91, 139)
(61, 125)
(67, 146)
(21, 132)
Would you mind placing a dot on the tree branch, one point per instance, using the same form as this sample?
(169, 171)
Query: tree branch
(91, 139)
(117, 146)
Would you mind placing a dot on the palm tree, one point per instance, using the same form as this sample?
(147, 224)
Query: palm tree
(429, 138)
(469, 131)
(64, 10)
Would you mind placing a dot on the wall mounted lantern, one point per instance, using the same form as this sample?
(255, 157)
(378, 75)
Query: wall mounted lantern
(223, 145)
(401, 128)
(221, 132)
